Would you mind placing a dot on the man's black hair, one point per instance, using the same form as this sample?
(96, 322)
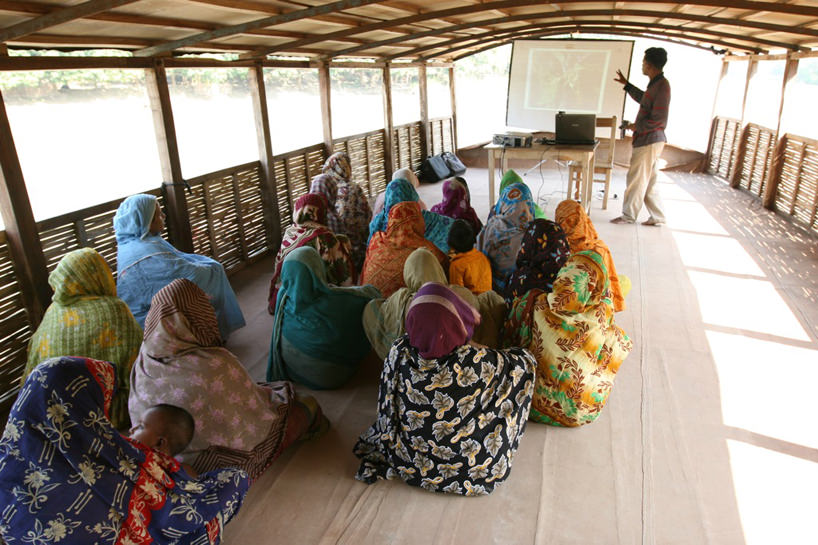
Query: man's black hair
(656, 56)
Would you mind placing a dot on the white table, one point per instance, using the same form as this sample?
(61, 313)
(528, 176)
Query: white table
(581, 154)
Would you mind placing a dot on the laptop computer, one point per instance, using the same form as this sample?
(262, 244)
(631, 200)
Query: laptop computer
(575, 129)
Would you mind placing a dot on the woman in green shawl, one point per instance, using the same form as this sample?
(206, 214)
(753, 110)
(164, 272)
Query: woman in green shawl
(87, 319)
(384, 318)
(318, 339)
(511, 177)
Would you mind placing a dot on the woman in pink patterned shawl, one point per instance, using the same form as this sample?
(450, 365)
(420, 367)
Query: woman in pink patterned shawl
(182, 362)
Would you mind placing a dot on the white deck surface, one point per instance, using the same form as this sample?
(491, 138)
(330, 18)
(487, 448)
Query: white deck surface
(709, 436)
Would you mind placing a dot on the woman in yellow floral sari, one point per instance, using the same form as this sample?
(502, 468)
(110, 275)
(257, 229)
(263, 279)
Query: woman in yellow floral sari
(572, 334)
(87, 319)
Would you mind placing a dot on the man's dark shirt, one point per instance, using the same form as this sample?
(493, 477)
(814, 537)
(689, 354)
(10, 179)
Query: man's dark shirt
(651, 120)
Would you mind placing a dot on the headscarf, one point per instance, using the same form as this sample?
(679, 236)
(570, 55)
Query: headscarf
(438, 321)
(450, 424)
(182, 363)
(388, 250)
(328, 188)
(500, 239)
(581, 235)
(310, 229)
(510, 178)
(578, 346)
(338, 167)
(66, 475)
(134, 216)
(87, 319)
(351, 205)
(400, 174)
(456, 204)
(542, 254)
(322, 321)
(436, 227)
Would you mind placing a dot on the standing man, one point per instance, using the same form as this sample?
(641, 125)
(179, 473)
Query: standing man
(648, 140)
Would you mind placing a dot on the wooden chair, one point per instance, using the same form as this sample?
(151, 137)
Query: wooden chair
(603, 162)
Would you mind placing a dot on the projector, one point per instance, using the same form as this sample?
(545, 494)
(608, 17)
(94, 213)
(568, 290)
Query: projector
(512, 140)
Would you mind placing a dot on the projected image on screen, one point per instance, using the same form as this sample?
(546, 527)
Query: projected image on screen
(569, 80)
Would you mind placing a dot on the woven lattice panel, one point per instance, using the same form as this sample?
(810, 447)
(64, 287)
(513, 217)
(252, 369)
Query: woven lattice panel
(723, 146)
(297, 178)
(378, 177)
(199, 225)
(248, 188)
(15, 331)
(416, 145)
(402, 146)
(285, 210)
(797, 190)
(223, 223)
(757, 159)
(315, 158)
(448, 141)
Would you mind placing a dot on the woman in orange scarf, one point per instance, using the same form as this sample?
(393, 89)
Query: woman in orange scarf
(581, 235)
(388, 250)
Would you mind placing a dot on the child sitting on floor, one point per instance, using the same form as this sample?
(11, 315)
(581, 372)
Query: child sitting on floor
(468, 266)
(167, 429)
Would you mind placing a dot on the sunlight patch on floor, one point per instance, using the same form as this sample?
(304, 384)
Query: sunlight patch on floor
(720, 254)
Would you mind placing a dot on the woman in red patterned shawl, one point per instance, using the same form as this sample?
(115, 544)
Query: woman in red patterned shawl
(310, 229)
(388, 250)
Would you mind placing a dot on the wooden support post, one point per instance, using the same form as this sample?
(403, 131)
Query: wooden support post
(725, 66)
(736, 164)
(269, 192)
(770, 190)
(326, 105)
(424, 111)
(4, 50)
(174, 183)
(741, 152)
(454, 107)
(752, 68)
(389, 158)
(21, 229)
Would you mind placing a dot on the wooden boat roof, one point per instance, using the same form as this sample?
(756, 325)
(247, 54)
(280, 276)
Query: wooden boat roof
(394, 30)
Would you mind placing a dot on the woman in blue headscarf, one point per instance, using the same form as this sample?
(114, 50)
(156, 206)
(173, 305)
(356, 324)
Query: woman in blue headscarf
(400, 190)
(147, 263)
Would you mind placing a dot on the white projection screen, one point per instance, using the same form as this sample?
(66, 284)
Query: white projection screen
(575, 76)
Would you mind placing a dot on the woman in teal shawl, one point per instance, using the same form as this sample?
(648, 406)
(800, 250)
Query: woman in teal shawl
(147, 263)
(318, 336)
(400, 190)
(511, 177)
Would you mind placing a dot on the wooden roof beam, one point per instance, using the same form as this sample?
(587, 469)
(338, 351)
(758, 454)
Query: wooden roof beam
(59, 17)
(252, 25)
(260, 7)
(503, 4)
(568, 14)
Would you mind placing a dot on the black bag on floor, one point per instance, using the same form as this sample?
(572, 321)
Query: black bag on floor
(434, 169)
(456, 166)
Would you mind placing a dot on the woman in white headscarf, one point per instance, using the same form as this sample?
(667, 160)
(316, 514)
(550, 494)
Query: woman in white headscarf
(400, 174)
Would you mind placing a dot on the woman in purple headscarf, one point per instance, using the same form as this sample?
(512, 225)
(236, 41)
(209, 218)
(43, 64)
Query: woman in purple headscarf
(450, 412)
(457, 203)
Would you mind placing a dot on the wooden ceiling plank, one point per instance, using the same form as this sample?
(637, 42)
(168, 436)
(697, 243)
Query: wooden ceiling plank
(503, 4)
(252, 25)
(59, 17)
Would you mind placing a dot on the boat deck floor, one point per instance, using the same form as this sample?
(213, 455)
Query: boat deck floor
(709, 436)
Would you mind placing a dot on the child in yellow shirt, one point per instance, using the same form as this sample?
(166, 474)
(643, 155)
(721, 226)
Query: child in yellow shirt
(468, 266)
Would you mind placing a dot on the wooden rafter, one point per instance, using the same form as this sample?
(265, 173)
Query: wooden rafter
(252, 25)
(502, 4)
(59, 17)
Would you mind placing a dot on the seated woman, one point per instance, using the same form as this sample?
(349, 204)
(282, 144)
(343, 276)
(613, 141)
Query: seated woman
(318, 339)
(542, 254)
(436, 227)
(456, 203)
(147, 263)
(310, 229)
(400, 174)
(450, 413)
(500, 239)
(578, 346)
(182, 363)
(383, 319)
(510, 178)
(87, 319)
(388, 250)
(348, 211)
(67, 476)
(468, 266)
(581, 235)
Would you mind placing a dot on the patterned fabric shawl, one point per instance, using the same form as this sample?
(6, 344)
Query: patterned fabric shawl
(87, 319)
(581, 235)
(511, 178)
(182, 363)
(450, 424)
(400, 174)
(500, 239)
(578, 346)
(322, 321)
(326, 186)
(147, 263)
(456, 204)
(352, 205)
(543, 251)
(67, 476)
(310, 229)
(388, 250)
(436, 227)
